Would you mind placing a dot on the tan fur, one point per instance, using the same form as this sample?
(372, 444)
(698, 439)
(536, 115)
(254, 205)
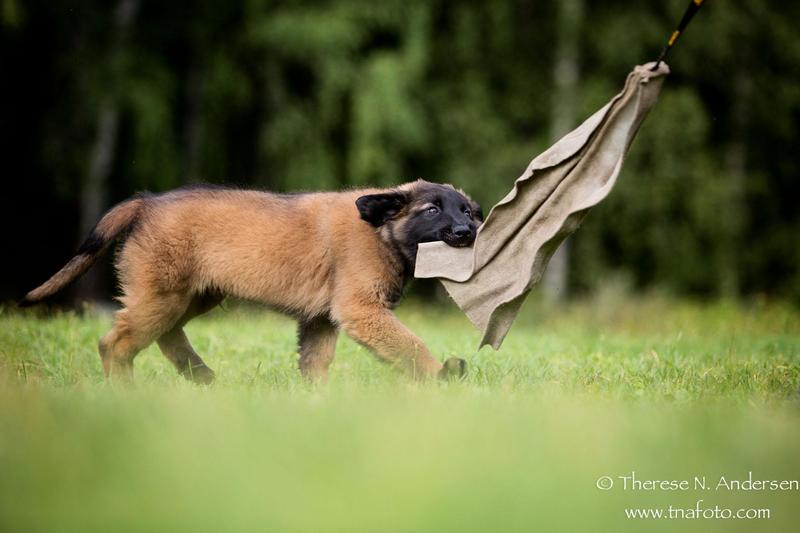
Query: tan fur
(112, 225)
(309, 255)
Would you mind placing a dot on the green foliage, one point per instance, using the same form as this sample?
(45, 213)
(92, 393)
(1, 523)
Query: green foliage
(303, 94)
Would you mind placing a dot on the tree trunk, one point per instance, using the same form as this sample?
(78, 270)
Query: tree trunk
(94, 194)
(735, 160)
(555, 282)
(194, 126)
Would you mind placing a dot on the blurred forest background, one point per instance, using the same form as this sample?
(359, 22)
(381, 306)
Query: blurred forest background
(99, 100)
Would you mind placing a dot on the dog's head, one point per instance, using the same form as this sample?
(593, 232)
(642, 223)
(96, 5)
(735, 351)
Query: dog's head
(422, 212)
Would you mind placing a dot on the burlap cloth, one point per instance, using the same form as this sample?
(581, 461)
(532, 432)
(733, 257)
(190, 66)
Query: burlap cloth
(490, 280)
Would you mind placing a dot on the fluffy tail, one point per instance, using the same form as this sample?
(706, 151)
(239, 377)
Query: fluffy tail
(113, 224)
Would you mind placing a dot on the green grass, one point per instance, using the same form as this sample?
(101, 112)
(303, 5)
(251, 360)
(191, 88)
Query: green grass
(668, 389)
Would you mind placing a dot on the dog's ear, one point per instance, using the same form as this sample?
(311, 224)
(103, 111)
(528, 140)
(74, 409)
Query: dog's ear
(477, 212)
(378, 209)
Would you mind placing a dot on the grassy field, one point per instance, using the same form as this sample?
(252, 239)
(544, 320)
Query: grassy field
(668, 390)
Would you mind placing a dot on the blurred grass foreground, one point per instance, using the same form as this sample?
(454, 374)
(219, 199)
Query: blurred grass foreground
(652, 387)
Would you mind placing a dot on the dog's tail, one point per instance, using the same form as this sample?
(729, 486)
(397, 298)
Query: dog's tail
(118, 220)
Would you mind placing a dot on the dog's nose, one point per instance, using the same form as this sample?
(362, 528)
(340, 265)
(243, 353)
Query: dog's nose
(462, 231)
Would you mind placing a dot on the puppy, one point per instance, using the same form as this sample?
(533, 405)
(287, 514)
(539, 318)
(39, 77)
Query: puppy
(333, 260)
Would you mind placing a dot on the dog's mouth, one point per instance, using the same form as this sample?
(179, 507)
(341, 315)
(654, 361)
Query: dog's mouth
(458, 242)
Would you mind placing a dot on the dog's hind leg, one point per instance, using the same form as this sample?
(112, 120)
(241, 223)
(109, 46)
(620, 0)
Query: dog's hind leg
(176, 347)
(143, 319)
(317, 339)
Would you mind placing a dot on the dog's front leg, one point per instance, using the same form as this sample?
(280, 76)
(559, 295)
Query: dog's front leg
(378, 329)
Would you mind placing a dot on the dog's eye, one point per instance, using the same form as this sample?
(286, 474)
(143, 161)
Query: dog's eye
(468, 213)
(432, 210)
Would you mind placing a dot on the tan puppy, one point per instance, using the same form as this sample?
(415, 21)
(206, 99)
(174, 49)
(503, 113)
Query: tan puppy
(334, 261)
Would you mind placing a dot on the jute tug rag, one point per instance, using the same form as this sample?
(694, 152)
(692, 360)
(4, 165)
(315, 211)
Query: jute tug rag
(490, 280)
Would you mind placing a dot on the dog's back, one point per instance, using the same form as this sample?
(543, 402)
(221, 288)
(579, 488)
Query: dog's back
(287, 251)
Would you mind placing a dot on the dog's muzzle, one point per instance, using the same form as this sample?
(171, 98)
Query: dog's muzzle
(459, 237)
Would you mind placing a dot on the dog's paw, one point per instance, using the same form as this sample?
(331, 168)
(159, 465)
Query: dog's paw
(453, 368)
(200, 374)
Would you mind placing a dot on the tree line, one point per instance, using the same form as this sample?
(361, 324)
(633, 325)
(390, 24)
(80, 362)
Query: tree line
(103, 99)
